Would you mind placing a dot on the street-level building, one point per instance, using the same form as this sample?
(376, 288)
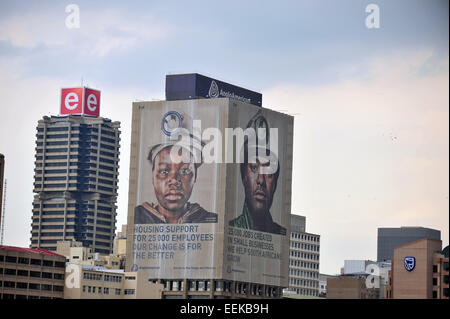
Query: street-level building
(350, 287)
(31, 273)
(93, 282)
(76, 253)
(323, 284)
(75, 182)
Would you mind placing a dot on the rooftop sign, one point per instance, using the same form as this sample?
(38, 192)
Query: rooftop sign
(194, 86)
(82, 101)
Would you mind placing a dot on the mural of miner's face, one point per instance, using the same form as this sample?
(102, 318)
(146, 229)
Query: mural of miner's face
(259, 188)
(172, 181)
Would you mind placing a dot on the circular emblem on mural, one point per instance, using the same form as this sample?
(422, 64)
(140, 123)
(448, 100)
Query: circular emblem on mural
(171, 122)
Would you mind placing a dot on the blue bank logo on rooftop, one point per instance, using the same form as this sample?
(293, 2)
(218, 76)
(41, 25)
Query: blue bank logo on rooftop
(195, 86)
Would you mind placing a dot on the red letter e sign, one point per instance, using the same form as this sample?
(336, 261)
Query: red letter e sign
(82, 101)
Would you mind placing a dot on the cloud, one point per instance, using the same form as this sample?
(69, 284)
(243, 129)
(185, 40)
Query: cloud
(101, 32)
(371, 151)
(25, 100)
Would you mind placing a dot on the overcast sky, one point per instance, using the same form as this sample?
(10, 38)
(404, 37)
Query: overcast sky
(371, 106)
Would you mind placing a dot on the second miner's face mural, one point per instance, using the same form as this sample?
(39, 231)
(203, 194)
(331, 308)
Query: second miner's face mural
(209, 199)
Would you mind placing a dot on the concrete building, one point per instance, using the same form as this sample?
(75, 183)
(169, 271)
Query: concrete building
(227, 251)
(2, 176)
(31, 273)
(323, 284)
(350, 287)
(378, 270)
(76, 253)
(76, 176)
(388, 238)
(120, 242)
(419, 271)
(93, 282)
(303, 259)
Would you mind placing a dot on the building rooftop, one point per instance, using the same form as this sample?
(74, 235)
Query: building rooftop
(98, 268)
(29, 250)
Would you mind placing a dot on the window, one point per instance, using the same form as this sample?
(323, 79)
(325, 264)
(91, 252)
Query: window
(434, 268)
(11, 259)
(10, 272)
(58, 276)
(21, 285)
(34, 286)
(58, 288)
(128, 292)
(47, 275)
(106, 291)
(23, 273)
(117, 292)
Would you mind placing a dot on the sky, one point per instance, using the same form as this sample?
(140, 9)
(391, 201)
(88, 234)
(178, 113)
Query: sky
(371, 105)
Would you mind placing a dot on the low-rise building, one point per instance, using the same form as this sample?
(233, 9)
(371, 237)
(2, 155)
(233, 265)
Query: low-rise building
(31, 273)
(76, 253)
(379, 272)
(323, 284)
(350, 287)
(93, 282)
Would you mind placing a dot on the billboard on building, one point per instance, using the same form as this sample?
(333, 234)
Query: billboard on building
(195, 86)
(194, 210)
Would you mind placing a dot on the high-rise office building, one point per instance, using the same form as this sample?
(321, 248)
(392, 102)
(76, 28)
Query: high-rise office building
(210, 225)
(303, 259)
(2, 172)
(76, 176)
(389, 238)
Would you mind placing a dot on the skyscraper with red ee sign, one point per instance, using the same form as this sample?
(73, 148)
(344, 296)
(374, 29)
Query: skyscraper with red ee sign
(76, 174)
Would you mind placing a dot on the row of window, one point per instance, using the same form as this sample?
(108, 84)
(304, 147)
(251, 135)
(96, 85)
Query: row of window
(31, 286)
(79, 165)
(300, 245)
(60, 234)
(78, 157)
(303, 255)
(73, 205)
(220, 285)
(31, 274)
(303, 264)
(300, 254)
(32, 261)
(81, 179)
(75, 185)
(305, 237)
(303, 282)
(305, 292)
(303, 273)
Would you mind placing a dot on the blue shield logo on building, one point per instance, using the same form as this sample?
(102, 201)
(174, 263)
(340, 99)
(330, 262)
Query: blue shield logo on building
(410, 263)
